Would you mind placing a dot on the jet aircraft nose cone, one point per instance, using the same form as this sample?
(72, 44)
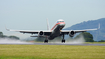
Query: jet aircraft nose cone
(61, 24)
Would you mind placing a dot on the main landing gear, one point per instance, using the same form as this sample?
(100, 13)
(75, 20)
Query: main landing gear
(63, 40)
(46, 40)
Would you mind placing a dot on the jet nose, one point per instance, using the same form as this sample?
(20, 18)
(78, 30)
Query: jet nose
(62, 24)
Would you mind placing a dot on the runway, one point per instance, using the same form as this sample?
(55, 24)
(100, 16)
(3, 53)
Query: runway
(18, 42)
(50, 43)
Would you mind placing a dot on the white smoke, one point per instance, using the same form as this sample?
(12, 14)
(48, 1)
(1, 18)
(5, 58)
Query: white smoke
(79, 40)
(11, 41)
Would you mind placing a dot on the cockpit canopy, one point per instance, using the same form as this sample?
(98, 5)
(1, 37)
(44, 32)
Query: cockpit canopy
(60, 20)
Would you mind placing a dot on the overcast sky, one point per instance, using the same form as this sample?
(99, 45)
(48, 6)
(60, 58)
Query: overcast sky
(32, 14)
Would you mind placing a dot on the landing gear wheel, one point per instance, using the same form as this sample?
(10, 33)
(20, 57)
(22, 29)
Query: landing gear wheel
(63, 41)
(45, 41)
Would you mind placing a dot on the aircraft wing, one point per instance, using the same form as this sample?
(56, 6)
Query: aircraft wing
(77, 31)
(46, 32)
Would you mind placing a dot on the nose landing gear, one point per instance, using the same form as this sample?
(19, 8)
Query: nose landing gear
(63, 40)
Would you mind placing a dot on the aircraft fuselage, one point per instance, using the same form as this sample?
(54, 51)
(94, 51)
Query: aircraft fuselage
(56, 30)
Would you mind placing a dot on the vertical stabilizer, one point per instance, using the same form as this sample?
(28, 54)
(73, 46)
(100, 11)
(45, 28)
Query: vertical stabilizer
(48, 27)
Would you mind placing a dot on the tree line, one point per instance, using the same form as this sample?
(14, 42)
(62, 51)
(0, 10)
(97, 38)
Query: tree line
(11, 37)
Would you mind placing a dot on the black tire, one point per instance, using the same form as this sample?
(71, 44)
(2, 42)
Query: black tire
(63, 41)
(45, 41)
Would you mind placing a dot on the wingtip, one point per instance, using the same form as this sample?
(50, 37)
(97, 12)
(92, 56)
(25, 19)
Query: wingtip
(99, 26)
(6, 28)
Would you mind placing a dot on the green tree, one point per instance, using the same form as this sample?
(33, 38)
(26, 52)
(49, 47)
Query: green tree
(40, 39)
(101, 41)
(13, 37)
(4, 36)
(87, 36)
(1, 34)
